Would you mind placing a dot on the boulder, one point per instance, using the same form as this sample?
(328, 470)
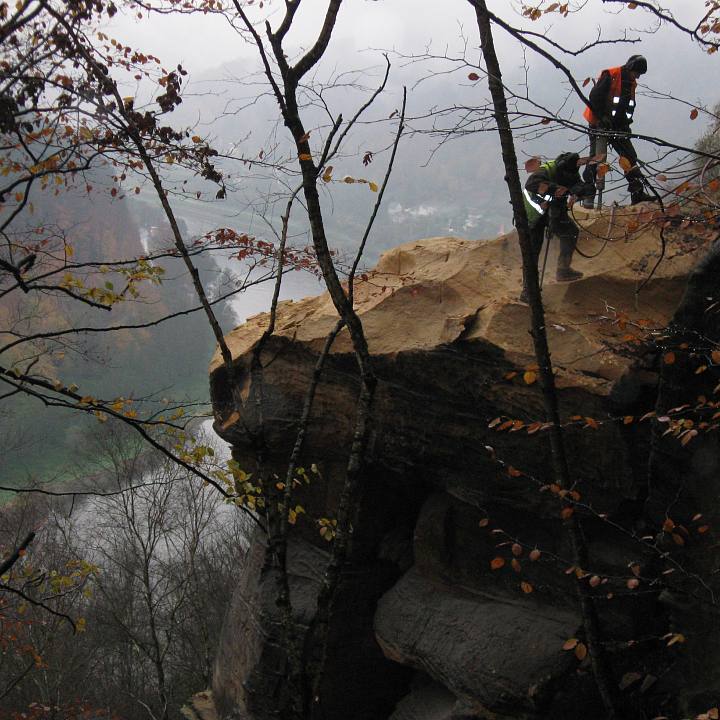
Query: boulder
(456, 492)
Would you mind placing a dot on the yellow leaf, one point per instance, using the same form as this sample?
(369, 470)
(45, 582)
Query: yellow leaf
(529, 377)
(373, 186)
(305, 156)
(327, 175)
(196, 139)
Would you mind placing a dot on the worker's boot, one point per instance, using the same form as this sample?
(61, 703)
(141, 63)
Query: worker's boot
(641, 196)
(564, 272)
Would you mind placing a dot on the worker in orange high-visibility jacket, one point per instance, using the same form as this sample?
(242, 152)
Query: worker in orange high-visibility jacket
(610, 114)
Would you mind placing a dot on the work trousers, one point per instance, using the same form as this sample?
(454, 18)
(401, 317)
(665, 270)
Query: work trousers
(561, 226)
(622, 145)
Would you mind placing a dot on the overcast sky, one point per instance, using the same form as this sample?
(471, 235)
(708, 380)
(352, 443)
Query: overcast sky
(676, 65)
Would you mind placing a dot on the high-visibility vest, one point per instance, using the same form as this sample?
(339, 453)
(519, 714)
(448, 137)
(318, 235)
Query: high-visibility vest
(617, 108)
(535, 204)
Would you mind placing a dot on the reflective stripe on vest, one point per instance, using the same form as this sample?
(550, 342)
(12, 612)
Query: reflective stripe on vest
(534, 202)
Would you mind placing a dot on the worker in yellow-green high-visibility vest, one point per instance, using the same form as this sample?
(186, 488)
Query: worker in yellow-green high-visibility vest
(546, 195)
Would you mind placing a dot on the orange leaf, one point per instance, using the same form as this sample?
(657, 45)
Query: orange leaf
(581, 651)
(566, 513)
(526, 587)
(703, 529)
(693, 113)
(529, 377)
(497, 563)
(625, 164)
(715, 356)
(668, 525)
(535, 554)
(570, 644)
(513, 472)
(516, 549)
(669, 358)
(628, 419)
(602, 170)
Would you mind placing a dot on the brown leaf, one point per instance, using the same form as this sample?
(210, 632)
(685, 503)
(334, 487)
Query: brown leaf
(526, 587)
(694, 113)
(570, 644)
(595, 580)
(669, 358)
(484, 522)
(602, 170)
(516, 549)
(678, 539)
(581, 651)
(628, 419)
(534, 555)
(566, 513)
(532, 164)
(473, 76)
(633, 583)
(514, 472)
(515, 564)
(668, 525)
(586, 81)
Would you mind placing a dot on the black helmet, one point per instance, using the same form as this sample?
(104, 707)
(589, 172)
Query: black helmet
(636, 63)
(567, 163)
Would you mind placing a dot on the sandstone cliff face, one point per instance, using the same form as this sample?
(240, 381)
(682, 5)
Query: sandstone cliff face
(424, 628)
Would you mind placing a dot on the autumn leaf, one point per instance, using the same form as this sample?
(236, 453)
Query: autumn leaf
(570, 644)
(514, 472)
(484, 523)
(669, 358)
(566, 513)
(526, 587)
(581, 651)
(529, 377)
(305, 156)
(586, 81)
(625, 164)
(516, 549)
(668, 525)
(693, 113)
(633, 583)
(497, 563)
(628, 419)
(373, 186)
(473, 76)
(534, 555)
(532, 164)
(602, 170)
(514, 563)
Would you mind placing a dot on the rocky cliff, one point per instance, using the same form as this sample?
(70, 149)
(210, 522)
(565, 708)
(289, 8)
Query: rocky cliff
(460, 591)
